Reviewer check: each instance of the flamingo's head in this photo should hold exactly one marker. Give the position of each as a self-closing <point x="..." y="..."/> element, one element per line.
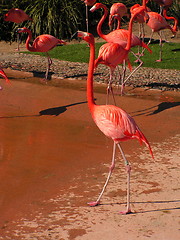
<point x="97" y="6"/>
<point x="23" y="29"/>
<point x="88" y="37"/>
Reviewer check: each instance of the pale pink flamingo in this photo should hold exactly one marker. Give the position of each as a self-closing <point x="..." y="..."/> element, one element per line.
<point x="111" y="55"/>
<point x="114" y="122"/>
<point x="3" y="74"/>
<point x="42" y="43"/>
<point x="18" y="16"/>
<point x="157" y="23"/>
<point x="117" y="36"/>
<point x="117" y="9"/>
<point x="140" y="19"/>
<point x="88" y="3"/>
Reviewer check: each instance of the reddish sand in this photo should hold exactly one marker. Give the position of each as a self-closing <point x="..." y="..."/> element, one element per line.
<point x="53" y="163"/>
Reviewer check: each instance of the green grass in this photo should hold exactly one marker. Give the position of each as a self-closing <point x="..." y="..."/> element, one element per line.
<point x="80" y="53"/>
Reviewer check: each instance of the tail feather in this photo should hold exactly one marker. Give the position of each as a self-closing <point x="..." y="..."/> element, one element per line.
<point x="146" y="46"/>
<point x="140" y="136"/>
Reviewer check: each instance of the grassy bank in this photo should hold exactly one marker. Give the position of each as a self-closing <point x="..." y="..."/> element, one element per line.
<point x="80" y="53"/>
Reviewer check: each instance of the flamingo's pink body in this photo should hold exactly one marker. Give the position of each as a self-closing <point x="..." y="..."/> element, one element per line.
<point x="117" y="9"/>
<point x="114" y="122"/>
<point x="118" y="35"/>
<point x="16" y="15"/>
<point x="42" y="43"/>
<point x="112" y="54"/>
<point x="157" y="23"/>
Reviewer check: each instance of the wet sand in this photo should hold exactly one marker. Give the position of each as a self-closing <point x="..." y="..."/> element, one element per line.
<point x="53" y="160"/>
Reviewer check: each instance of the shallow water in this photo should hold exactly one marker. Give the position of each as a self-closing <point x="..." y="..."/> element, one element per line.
<point x="52" y="156"/>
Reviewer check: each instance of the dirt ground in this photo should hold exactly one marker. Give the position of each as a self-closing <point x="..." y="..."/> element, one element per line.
<point x="54" y="160"/>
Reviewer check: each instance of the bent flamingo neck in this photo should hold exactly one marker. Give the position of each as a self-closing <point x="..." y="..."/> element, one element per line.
<point x="99" y="26"/>
<point x="171" y="18"/>
<point x="28" y="46"/>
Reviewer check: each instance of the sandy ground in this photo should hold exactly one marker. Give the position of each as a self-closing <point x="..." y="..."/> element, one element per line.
<point x="54" y="160"/>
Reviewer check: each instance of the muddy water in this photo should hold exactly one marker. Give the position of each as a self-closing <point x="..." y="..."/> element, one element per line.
<point x="51" y="149"/>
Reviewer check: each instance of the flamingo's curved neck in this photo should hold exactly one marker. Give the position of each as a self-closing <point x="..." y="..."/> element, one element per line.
<point x="171" y="18"/>
<point x="28" y="46"/>
<point x="90" y="95"/>
<point x="128" y="46"/>
<point x="99" y="26"/>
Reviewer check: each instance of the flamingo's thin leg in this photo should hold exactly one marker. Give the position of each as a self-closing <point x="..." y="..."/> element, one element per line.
<point x="97" y="202"/>
<point x="128" y="169"/>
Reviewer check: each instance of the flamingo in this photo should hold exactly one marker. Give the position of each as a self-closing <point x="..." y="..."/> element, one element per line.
<point x="112" y="54"/>
<point x="117" y="8"/>
<point x="88" y="3"/>
<point x="157" y="23"/>
<point x="117" y="36"/>
<point x="2" y="73"/>
<point x="114" y="122"/>
<point x="140" y="19"/>
<point x="18" y="16"/>
<point x="42" y="43"/>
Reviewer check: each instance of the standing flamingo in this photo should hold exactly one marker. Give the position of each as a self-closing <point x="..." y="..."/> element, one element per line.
<point x="112" y="54"/>
<point x="42" y="43"/>
<point x="117" y="36"/>
<point x="114" y="122"/>
<point x="117" y="8"/>
<point x="18" y="16"/>
<point x="157" y="23"/>
<point x="2" y="73"/>
<point x="140" y="19"/>
<point x="88" y="3"/>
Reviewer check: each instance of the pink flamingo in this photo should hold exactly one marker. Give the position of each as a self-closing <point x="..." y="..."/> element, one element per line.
<point x="117" y="36"/>
<point x="2" y="73"/>
<point x="18" y="16"/>
<point x="140" y="19"/>
<point x="117" y="9"/>
<point x="42" y="43"/>
<point x="114" y="122"/>
<point x="157" y="23"/>
<point x="88" y="3"/>
<point x="112" y="54"/>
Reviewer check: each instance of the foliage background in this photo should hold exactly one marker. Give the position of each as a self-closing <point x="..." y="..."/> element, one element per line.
<point x="60" y="18"/>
